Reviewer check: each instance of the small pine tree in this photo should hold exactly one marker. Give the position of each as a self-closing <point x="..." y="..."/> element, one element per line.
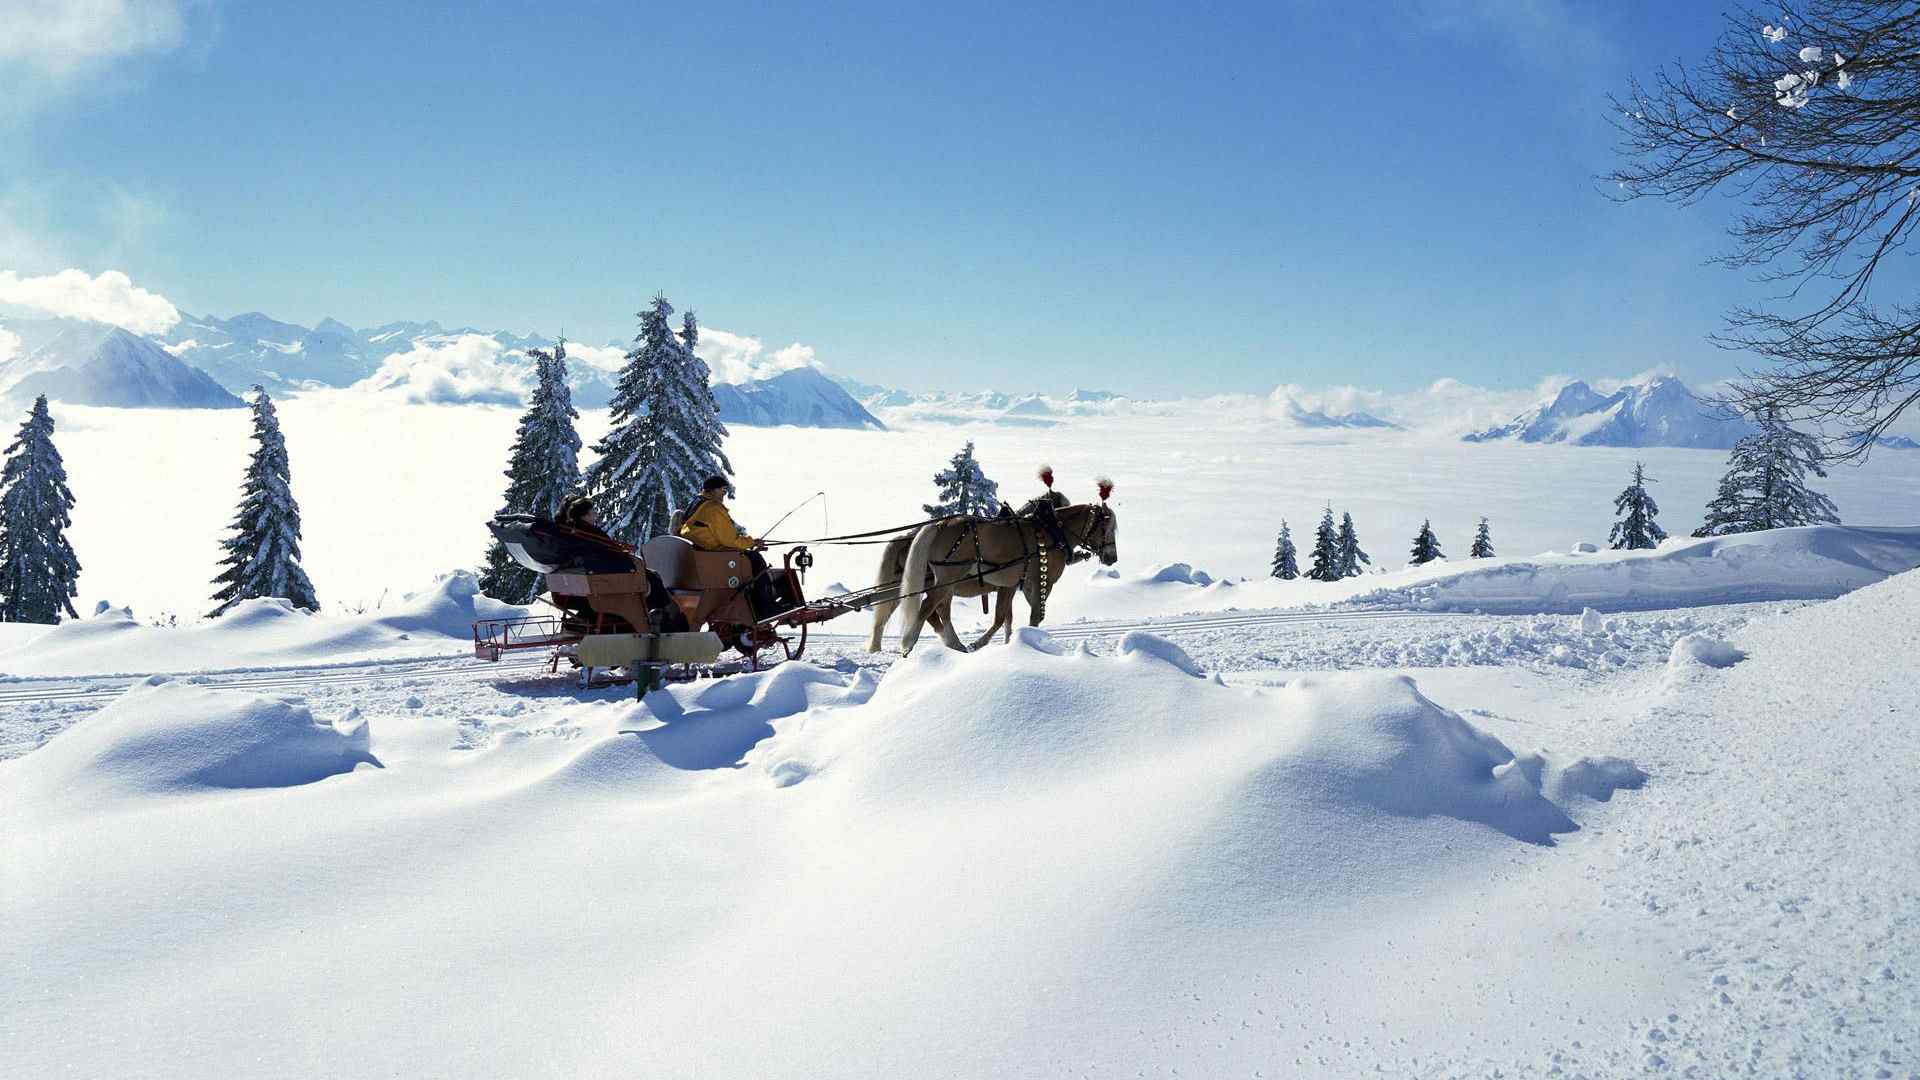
<point x="1286" y="564"/>
<point x="1482" y="543"/>
<point x="542" y="468"/>
<point x="666" y="431"/>
<point x="38" y="569"/>
<point x="263" y="554"/>
<point x="1348" y="545"/>
<point x="1766" y="484"/>
<point x="1636" y="529"/>
<point x="1426" y="546"/>
<point x="964" y="489"/>
<point x="1326" y="550"/>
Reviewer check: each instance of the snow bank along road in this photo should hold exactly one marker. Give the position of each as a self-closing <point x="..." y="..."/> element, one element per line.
<point x="96" y="690"/>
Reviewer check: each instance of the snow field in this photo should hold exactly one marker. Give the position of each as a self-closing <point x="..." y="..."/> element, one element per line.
<point x="392" y="494"/>
<point x="961" y="861"/>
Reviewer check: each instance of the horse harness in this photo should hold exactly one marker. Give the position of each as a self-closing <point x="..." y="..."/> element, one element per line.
<point x="1043" y="518"/>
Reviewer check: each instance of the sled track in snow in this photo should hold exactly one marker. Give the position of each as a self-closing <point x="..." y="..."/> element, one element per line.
<point x="99" y="689"/>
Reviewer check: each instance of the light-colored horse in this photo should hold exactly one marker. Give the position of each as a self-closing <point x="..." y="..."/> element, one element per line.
<point x="893" y="564"/>
<point x="994" y="553"/>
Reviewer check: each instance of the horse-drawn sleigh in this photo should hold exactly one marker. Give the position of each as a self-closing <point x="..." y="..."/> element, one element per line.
<point x="668" y="606"/>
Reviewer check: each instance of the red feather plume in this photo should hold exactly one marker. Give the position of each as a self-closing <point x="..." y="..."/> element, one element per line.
<point x="1046" y="476"/>
<point x="1106" y="487"/>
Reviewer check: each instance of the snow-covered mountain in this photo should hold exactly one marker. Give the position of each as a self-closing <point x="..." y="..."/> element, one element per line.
<point x="1658" y="412"/>
<point x="84" y="363"/>
<point x="1300" y="416"/>
<point x="802" y="397"/>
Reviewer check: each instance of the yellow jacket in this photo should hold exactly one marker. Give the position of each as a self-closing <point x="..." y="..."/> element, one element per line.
<point x="711" y="528"/>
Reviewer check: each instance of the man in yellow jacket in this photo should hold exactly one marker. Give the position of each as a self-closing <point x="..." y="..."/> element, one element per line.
<point x="709" y="527"/>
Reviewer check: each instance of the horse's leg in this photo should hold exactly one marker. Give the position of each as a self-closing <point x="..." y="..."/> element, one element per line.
<point x="882" y="611"/>
<point x="1001" y="615"/>
<point x="942" y="619"/>
<point x="1006" y="603"/>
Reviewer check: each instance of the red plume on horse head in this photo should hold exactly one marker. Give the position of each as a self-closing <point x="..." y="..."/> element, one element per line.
<point x="1046" y="476"/>
<point x="1105" y="484"/>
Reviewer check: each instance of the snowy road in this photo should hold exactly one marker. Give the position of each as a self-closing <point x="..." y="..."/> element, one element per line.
<point x="98" y="689"/>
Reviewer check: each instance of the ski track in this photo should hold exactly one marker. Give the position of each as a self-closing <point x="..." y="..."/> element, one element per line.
<point x="33" y="710"/>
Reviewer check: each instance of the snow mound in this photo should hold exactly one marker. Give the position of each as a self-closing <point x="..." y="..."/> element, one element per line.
<point x="1271" y="791"/>
<point x="449" y="606"/>
<point x="163" y="737"/>
<point x="1702" y="650"/>
<point x="1153" y="647"/>
<point x="265" y="632"/>
<point x="1179" y="572"/>
<point x="1812" y="563"/>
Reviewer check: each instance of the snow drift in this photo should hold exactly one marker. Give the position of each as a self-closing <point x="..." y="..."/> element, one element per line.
<point x="988" y="859"/>
<point x="164" y="738"/>
<point x="435" y="621"/>
<point x="1817" y="562"/>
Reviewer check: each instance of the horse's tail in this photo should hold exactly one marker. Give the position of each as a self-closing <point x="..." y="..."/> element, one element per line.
<point x="912" y="585"/>
<point x="891" y="557"/>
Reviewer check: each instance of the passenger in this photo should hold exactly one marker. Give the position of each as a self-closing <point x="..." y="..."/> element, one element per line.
<point x="710" y="527"/>
<point x="577" y="515"/>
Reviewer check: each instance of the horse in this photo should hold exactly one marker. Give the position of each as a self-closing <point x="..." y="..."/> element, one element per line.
<point x="997" y="553"/>
<point x="893" y="566"/>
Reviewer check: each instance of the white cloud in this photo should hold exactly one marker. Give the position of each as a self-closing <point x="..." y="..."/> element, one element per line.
<point x="607" y="358"/>
<point x="9" y="345"/>
<point x="737" y="358"/>
<point x="461" y="369"/>
<point x="110" y="298"/>
<point x="63" y="37"/>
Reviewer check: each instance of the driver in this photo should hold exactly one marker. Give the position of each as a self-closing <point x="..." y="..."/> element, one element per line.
<point x="709" y="527"/>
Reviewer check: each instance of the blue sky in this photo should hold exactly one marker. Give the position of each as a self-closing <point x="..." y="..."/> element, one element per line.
<point x="1208" y="197"/>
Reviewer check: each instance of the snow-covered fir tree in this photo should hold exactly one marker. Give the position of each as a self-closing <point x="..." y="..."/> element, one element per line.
<point x="38" y="569"/>
<point x="1286" y="559"/>
<point x="1766" y="484"/>
<point x="1426" y="546"/>
<point x="1482" y="542"/>
<point x="1326" y="550"/>
<point x="263" y="554"/>
<point x="964" y="488"/>
<point x="1636" y="528"/>
<point x="542" y="468"/>
<point x="666" y="433"/>
<point x="1347" y="543"/>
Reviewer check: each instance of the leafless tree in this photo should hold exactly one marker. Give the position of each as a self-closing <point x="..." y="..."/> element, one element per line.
<point x="1811" y="116"/>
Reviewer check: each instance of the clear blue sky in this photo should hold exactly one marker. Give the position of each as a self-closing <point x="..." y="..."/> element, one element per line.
<point x="1196" y="195"/>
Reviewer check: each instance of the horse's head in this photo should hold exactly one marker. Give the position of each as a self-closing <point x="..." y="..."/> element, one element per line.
<point x="1106" y="534"/>
<point x="1102" y="534"/>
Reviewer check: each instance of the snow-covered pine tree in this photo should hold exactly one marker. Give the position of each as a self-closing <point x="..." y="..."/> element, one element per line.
<point x="1482" y="542"/>
<point x="1348" y="546"/>
<point x="542" y="468"/>
<point x="1766" y="484"/>
<point x="1326" y="550"/>
<point x="666" y="433"/>
<point x="1426" y="546"/>
<point x="964" y="489"/>
<point x="263" y="554"/>
<point x="38" y="569"/>
<point x="1636" y="528"/>
<point x="1286" y="559"/>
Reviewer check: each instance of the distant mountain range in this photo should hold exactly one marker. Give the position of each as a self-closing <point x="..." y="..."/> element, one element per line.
<point x="85" y="363"/>
<point x="1300" y="416"/>
<point x="1658" y="412"/>
<point x="205" y="361"/>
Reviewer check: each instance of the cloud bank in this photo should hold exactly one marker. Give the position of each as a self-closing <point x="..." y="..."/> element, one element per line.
<point x="737" y="358"/>
<point x="460" y="369"/>
<point x="110" y="298"/>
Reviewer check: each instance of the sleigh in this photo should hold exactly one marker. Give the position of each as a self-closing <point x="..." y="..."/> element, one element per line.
<point x="665" y="607"/>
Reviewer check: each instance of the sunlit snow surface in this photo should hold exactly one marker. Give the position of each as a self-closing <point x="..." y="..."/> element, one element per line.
<point x="1613" y="822"/>
<point x="392" y="495"/>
